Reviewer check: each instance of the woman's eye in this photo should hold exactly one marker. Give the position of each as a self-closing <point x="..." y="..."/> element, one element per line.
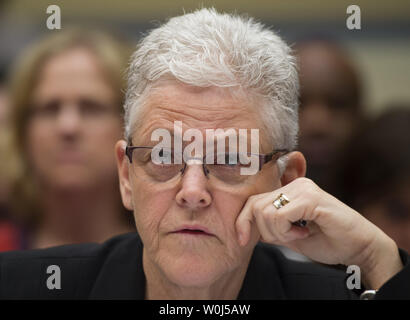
<point x="50" y="108"/>
<point x="231" y="159"/>
<point x="165" y="154"/>
<point x="162" y="157"/>
<point x="232" y="164"/>
<point x="146" y="157"/>
<point x="90" y="107"/>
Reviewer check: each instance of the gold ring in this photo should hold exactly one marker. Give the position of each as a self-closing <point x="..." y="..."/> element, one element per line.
<point x="280" y="201"/>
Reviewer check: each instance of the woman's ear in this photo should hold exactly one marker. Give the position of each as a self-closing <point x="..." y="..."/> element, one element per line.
<point x="123" y="174"/>
<point x="295" y="168"/>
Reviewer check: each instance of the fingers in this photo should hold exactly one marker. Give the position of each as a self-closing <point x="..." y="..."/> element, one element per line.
<point x="275" y="225"/>
<point x="336" y="233"/>
<point x="278" y="222"/>
<point x="264" y="227"/>
<point x="246" y="216"/>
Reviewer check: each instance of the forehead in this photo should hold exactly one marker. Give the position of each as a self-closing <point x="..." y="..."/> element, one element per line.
<point x="324" y="70"/>
<point x="76" y="71"/>
<point x="199" y="108"/>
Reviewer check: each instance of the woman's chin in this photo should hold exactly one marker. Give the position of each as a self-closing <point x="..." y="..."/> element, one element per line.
<point x="193" y="272"/>
<point x="71" y="184"/>
<point x="74" y="179"/>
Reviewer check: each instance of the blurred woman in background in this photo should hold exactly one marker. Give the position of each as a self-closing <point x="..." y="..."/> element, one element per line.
<point x="9" y="233"/>
<point x="66" y="96"/>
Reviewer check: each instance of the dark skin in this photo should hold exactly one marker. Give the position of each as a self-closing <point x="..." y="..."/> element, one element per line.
<point x="329" y="105"/>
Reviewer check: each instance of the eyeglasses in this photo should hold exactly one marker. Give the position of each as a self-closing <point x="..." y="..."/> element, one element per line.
<point x="162" y="167"/>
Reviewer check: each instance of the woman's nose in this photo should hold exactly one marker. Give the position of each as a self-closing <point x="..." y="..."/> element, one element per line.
<point x="69" y="120"/>
<point x="317" y="118"/>
<point x="194" y="193"/>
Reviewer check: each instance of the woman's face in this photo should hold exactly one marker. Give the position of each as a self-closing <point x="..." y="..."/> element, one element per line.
<point x="163" y="210"/>
<point x="74" y="123"/>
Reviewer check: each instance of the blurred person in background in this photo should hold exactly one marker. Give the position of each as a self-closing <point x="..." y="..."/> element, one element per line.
<point x="376" y="173"/>
<point x="66" y="94"/>
<point x="4" y="112"/>
<point x="10" y="235"/>
<point x="330" y="106"/>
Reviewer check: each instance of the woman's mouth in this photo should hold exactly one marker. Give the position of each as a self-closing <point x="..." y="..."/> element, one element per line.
<point x="193" y="230"/>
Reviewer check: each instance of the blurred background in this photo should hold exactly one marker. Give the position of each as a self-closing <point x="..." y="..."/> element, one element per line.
<point x="380" y="49"/>
<point x="352" y="83"/>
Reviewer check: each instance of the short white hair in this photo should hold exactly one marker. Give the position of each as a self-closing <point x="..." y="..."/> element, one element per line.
<point x="206" y="48"/>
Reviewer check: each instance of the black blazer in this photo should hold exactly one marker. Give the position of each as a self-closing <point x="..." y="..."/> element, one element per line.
<point x="113" y="270"/>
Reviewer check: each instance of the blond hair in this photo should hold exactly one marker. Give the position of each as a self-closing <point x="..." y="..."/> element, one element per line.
<point x="113" y="58"/>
